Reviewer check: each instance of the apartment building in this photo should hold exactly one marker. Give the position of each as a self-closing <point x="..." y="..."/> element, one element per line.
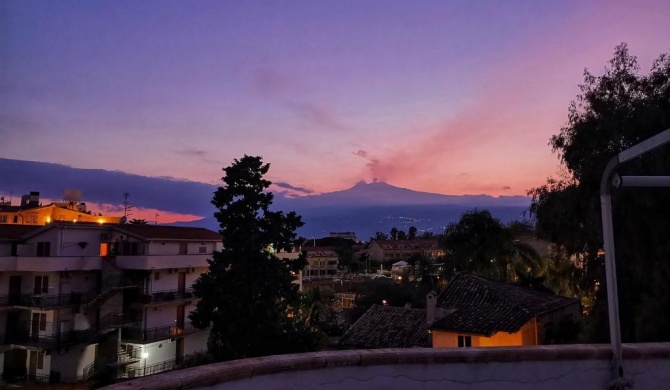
<point x="385" y="250"/>
<point x="82" y="300"/>
<point x="321" y="262"/>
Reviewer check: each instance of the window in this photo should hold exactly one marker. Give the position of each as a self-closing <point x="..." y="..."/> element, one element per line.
<point x="31" y="219"/>
<point x="202" y="249"/>
<point x="130" y="249"/>
<point x="16" y="219"/>
<point x="183" y="248"/>
<point x="40" y="361"/>
<point x="43" y="249"/>
<point x="41" y="285"/>
<point x="464" y="341"/>
<point x="3" y="218"/>
<point x="104" y="249"/>
<point x="157" y="275"/>
<point x="39" y="321"/>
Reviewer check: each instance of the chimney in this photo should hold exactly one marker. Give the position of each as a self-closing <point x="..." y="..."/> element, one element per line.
<point x="431" y="306"/>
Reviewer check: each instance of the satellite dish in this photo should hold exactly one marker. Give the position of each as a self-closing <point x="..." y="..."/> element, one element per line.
<point x="123" y="220"/>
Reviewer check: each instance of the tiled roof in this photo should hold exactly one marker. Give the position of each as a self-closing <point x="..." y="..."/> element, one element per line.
<point x="483" y="306"/>
<point x="161" y="232"/>
<point x="388" y="327"/>
<point x="15" y="232"/>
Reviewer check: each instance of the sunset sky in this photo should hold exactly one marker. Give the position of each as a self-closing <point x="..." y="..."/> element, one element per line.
<point x="453" y="97"/>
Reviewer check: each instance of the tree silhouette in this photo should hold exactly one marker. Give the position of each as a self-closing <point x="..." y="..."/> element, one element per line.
<point x="614" y="112"/>
<point x="247" y="295"/>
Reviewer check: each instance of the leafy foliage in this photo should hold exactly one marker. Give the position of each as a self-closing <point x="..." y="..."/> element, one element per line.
<point x="481" y="244"/>
<point x="614" y="112"/>
<point x="247" y="295"/>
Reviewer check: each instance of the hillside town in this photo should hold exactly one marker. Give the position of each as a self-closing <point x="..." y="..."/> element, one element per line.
<point x="95" y="299"/>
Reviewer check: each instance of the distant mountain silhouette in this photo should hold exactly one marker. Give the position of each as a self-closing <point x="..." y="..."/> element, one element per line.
<point x="370" y="207"/>
<point x="383" y="194"/>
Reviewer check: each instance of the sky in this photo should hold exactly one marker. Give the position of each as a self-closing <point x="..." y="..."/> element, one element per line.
<point x="451" y="97"/>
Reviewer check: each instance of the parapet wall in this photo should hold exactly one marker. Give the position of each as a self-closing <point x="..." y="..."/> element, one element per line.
<point x="647" y="366"/>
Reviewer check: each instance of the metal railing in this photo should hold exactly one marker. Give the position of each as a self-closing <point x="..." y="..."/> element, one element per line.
<point x="45" y="340"/>
<point x="166" y="296"/>
<point x="123" y="357"/>
<point x="117" y="320"/>
<point x="167" y="365"/>
<point x="155" y="368"/>
<point x="42" y="301"/>
<point x="136" y="334"/>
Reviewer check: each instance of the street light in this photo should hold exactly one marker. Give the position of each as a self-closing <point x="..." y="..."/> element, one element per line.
<point x="145" y="356"/>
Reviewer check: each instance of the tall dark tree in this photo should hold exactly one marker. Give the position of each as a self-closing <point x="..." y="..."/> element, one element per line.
<point x="247" y="294"/>
<point x="379" y="236"/>
<point x="481" y="244"/>
<point x="394" y="233"/>
<point x="411" y="233"/>
<point x="614" y="112"/>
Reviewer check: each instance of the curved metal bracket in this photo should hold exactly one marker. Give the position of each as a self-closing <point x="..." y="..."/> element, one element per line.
<point x="611" y="179"/>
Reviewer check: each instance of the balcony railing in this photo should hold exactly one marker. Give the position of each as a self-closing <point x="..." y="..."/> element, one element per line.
<point x="189" y="360"/>
<point x="43" y="302"/>
<point x="166" y="296"/>
<point x="118" y="320"/>
<point x="163" y="366"/>
<point x="46" y="340"/>
<point x="139" y="335"/>
<point x="122" y="358"/>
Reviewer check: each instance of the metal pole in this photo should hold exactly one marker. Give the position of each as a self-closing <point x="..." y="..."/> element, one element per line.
<point x="644" y="181"/>
<point x="610" y="275"/>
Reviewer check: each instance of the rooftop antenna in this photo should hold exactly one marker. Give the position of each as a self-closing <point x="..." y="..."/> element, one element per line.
<point x="156" y="218"/>
<point x="126" y="206"/>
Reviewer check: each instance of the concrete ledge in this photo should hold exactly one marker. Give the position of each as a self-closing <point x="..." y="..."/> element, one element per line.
<point x="215" y="375"/>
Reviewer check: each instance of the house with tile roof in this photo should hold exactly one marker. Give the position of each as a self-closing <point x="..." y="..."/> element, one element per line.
<point x="387" y="327"/>
<point x="471" y="311"/>
<point x="474" y="311"/>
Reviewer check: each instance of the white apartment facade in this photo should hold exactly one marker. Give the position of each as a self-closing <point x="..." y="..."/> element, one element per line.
<point x="84" y="300"/>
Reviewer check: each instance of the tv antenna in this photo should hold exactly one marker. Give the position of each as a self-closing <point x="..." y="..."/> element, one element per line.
<point x="127" y="207"/>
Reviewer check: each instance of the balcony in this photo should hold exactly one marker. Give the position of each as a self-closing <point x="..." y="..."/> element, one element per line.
<point x="166" y="296"/>
<point x="45" y="340"/>
<point x="42" y="302"/>
<point x="149" y="262"/>
<point x="138" y="335"/>
<point x="123" y="358"/>
<point x="50" y="264"/>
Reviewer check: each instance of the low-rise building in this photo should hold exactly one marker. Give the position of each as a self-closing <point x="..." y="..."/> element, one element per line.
<point x="474" y="311"/>
<point x="471" y="311"/>
<point x="321" y="262"/>
<point x="31" y="212"/>
<point x="385" y="250"/>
